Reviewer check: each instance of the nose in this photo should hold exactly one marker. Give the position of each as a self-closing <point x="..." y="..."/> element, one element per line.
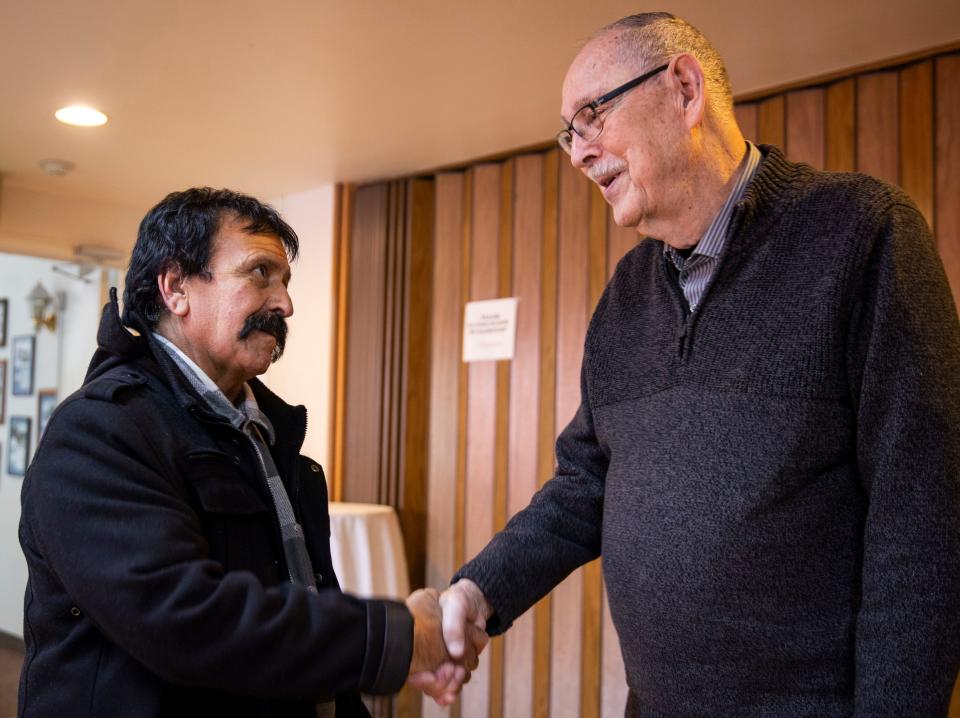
<point x="583" y="152"/>
<point x="282" y="302"/>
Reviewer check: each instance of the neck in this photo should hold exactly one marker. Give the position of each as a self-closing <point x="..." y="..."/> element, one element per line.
<point x="230" y="383"/>
<point x="713" y="168"/>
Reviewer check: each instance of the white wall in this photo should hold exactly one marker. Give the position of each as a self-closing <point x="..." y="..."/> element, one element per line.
<point x="77" y="338"/>
<point x="303" y="375"/>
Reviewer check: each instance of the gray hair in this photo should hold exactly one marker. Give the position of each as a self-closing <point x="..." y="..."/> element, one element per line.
<point x="651" y="38"/>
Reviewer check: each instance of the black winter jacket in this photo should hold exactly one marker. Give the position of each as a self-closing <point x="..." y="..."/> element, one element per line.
<point x="157" y="581"/>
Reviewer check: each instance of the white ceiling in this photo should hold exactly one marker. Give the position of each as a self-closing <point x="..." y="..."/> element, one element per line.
<point x="276" y="97"/>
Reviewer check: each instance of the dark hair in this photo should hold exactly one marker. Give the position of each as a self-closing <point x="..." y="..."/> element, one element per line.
<point x="179" y="232"/>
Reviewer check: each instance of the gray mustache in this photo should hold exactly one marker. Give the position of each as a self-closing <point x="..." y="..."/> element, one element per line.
<point x="598" y="171"/>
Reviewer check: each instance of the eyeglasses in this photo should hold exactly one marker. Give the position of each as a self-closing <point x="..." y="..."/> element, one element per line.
<point x="588" y="122"/>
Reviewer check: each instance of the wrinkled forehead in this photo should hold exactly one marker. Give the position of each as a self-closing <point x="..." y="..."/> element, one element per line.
<point x="596" y="69"/>
<point x="236" y="241"/>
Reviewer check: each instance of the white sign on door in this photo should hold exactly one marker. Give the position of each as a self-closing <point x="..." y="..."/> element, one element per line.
<point x="490" y="329"/>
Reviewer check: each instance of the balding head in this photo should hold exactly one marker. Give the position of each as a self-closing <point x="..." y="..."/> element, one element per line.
<point x="650" y="39"/>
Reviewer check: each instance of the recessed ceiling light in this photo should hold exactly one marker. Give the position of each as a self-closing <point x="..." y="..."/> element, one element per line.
<point x="81" y="116"/>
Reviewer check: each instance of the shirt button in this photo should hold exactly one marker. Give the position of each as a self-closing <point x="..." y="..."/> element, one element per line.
<point x="74" y="611"/>
<point x="314" y="468"/>
<point x="236" y="460"/>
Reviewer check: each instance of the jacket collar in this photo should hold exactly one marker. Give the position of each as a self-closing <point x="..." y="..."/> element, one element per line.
<point x="771" y="190"/>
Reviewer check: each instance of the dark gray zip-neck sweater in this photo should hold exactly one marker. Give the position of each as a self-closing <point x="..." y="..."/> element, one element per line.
<point x="774" y="480"/>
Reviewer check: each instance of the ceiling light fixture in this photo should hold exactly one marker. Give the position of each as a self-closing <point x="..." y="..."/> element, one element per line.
<point x="81" y="116"/>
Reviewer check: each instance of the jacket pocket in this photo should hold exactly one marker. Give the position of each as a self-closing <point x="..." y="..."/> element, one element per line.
<point x="219" y="486"/>
<point x="236" y="521"/>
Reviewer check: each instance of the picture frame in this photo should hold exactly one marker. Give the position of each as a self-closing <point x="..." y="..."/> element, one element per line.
<point x="18" y="445"/>
<point x="3" y="390"/>
<point x="4" y="306"/>
<point x="21" y="380"/>
<point x="46" y="403"/>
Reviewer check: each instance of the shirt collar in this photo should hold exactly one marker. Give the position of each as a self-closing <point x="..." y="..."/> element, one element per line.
<point x="197" y="373"/>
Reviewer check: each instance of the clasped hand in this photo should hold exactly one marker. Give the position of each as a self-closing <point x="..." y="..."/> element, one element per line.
<point x="448" y="636"/>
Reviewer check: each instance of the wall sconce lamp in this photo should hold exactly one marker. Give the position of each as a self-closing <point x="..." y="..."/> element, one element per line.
<point x="42" y="302"/>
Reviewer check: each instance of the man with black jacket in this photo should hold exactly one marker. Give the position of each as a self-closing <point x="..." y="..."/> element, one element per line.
<point x="177" y="542"/>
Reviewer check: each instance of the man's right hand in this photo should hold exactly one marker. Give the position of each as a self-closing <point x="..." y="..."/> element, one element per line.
<point x="465" y="609"/>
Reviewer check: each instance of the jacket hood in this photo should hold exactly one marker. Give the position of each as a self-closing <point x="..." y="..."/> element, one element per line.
<point x="116" y="344"/>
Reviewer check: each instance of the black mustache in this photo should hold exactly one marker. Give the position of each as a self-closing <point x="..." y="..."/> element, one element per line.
<point x="270" y="322"/>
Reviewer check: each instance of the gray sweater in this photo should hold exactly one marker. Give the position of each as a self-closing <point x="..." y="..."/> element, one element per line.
<point x="773" y="481"/>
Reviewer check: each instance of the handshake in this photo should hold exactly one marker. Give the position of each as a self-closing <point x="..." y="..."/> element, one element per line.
<point x="448" y="636"/>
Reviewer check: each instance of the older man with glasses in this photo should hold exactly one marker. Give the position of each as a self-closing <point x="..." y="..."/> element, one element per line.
<point x="767" y="452"/>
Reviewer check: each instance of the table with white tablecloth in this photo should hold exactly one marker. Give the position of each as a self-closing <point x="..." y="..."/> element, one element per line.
<point x="367" y="550"/>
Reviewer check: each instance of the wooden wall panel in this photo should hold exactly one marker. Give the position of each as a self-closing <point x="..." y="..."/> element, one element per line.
<point x="481" y="405"/>
<point x="518" y="675"/>
<point x="543" y="611"/>
<point x="343" y="227"/>
<point x="393" y="348"/>
<point x="746" y="115"/>
<point x="916" y="135"/>
<point x="572" y="303"/>
<point x="877" y="132"/>
<point x="770" y="121"/>
<point x="948" y="168"/>
<point x="840" y="120"/>
<point x="365" y="334"/>
<point x="501" y="460"/>
<point x="805" y="136"/>
<point x="445" y="351"/>
<point x="415" y="378"/>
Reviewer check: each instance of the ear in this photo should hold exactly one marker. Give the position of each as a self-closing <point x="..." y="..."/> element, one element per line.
<point x="173" y="291"/>
<point x="686" y="73"/>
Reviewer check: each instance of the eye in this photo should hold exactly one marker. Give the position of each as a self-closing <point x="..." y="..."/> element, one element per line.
<point x="603" y="109"/>
<point x="260" y="270"/>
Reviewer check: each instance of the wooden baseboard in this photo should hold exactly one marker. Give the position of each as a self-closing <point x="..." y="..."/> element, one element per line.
<point x="10" y="642"/>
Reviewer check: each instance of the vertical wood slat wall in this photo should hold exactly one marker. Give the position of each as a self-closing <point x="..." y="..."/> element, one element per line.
<point x="460" y="448"/>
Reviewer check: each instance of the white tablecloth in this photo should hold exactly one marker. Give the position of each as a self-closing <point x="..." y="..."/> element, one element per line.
<point x="367" y="550"/>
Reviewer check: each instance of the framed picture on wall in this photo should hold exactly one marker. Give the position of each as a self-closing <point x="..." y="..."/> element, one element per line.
<point x="3" y="322"/>
<point x="18" y="446"/>
<point x="46" y="403"/>
<point x="22" y="379"/>
<point x="3" y="389"/>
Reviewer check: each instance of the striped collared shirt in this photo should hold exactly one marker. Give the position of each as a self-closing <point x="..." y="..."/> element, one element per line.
<point x="696" y="271"/>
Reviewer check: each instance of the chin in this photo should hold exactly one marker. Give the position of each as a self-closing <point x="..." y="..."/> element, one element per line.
<point x="262" y="366"/>
<point x="257" y="365"/>
<point x="626" y="217"/>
